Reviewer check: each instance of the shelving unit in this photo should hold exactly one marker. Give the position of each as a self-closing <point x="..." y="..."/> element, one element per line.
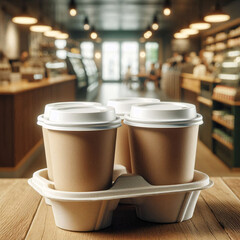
<point x="225" y="137"/>
<point x="227" y="151"/>
<point x="219" y="139"/>
<point x="205" y="108"/>
<point x="222" y="122"/>
<point x="226" y="101"/>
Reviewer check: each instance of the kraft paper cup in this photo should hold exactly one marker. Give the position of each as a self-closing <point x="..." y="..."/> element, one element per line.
<point x="123" y="106"/>
<point x="81" y="142"/>
<point x="47" y="111"/>
<point x="163" y="141"/>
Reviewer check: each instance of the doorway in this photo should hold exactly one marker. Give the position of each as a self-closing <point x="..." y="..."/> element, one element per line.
<point x="117" y="57"/>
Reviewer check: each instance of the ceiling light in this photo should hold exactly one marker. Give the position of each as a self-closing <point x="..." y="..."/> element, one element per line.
<point x="200" y="25"/>
<point x="189" y="31"/>
<point x="217" y="15"/>
<point x="148" y="33"/>
<point x="52" y="33"/>
<point x="86" y="25"/>
<point x="24" y="18"/>
<point x="167" y="8"/>
<point x="72" y="8"/>
<point x="155" y="25"/>
<point x="142" y="54"/>
<point x="40" y="27"/>
<point x="62" y="35"/>
<point x="180" y="35"/>
<point x="93" y="34"/>
<point x="97" y="55"/>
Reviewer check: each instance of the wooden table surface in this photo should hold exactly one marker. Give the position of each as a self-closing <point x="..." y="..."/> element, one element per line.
<point x="24" y="215"/>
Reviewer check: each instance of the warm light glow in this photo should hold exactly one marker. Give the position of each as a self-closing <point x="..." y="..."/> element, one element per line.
<point x="147" y="34"/>
<point x="52" y="33"/>
<point x="40" y="28"/>
<point x="155" y="26"/>
<point x="217" y="17"/>
<point x="62" y="36"/>
<point x="86" y="27"/>
<point x="166" y="11"/>
<point x="73" y="12"/>
<point x="26" y="20"/>
<point x="201" y="25"/>
<point x="93" y="35"/>
<point x="97" y="55"/>
<point x="179" y="35"/>
<point x="142" y="54"/>
<point x="189" y="31"/>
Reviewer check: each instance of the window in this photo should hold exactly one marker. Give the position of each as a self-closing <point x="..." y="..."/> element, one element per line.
<point x="87" y="49"/>
<point x="129" y="57"/>
<point x="111" y="61"/>
<point x="152" y="49"/>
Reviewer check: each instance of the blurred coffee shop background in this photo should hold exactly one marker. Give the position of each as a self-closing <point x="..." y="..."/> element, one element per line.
<point x="94" y="50"/>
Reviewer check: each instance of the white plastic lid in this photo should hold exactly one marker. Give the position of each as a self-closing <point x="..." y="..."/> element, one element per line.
<point x="51" y="106"/>
<point x="80" y="118"/>
<point x="123" y="105"/>
<point x="163" y="114"/>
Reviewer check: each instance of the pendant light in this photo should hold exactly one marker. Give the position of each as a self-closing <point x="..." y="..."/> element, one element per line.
<point x="40" y="26"/>
<point x="72" y="8"/>
<point x="189" y="31"/>
<point x="217" y="15"/>
<point x="179" y="35"/>
<point x="52" y="33"/>
<point x="167" y="8"/>
<point x="62" y="35"/>
<point x="200" y="24"/>
<point x="93" y="34"/>
<point x="24" y="18"/>
<point x="148" y="33"/>
<point x="155" y="25"/>
<point x="86" y="25"/>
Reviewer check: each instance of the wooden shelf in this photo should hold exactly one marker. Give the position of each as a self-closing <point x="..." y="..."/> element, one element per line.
<point x="204" y="101"/>
<point x="222" y="122"/>
<point x="219" y="139"/>
<point x="225" y="101"/>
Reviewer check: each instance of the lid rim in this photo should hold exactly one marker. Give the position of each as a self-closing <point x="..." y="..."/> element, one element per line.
<point x="166" y="124"/>
<point x="82" y="127"/>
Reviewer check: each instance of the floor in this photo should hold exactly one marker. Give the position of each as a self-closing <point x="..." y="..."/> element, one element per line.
<point x="206" y="161"/>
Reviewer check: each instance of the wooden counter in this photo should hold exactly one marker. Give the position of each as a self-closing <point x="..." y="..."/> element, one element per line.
<point x="20" y="104"/>
<point x="24" y="215"/>
<point x="24" y="85"/>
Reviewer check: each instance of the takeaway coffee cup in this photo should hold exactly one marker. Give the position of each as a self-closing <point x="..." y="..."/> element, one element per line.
<point x="123" y="106"/>
<point x="81" y="146"/>
<point x="163" y="141"/>
<point x="47" y="111"/>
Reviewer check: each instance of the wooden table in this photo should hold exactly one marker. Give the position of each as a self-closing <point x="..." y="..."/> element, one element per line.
<point x="24" y="215"/>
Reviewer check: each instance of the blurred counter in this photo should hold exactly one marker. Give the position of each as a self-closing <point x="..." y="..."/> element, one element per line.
<point x="24" y="85"/>
<point x="20" y="104"/>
